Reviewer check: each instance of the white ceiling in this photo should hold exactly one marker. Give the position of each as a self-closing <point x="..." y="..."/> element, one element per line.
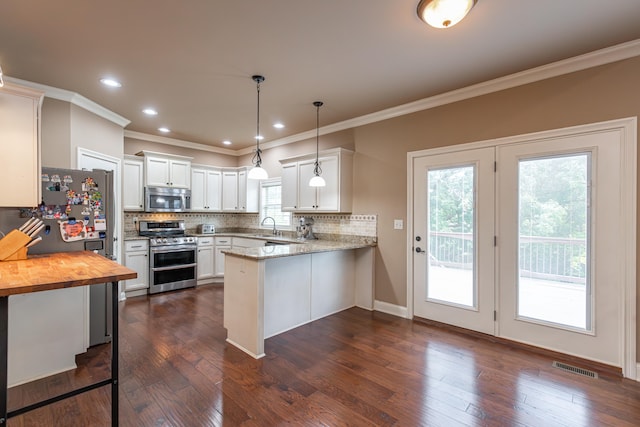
<point x="193" y="60"/>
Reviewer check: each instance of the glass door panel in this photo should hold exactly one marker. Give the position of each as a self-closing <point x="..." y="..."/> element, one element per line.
<point x="553" y="279"/>
<point x="451" y="222"/>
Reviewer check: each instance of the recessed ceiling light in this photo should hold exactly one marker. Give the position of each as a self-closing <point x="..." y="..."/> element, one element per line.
<point x="278" y="125"/>
<point x="226" y="142"/>
<point x="150" y="112"/>
<point x="164" y="130"/>
<point x="110" y="82"/>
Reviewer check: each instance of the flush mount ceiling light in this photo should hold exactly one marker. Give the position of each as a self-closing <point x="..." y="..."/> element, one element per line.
<point x="257" y="172"/>
<point x="164" y="130"/>
<point x="444" y="13"/>
<point x="317" y="180"/>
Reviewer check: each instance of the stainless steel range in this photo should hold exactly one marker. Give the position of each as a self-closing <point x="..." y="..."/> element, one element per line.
<point x="172" y="255"/>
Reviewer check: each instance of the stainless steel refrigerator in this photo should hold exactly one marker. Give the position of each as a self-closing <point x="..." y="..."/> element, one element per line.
<point x="77" y="210"/>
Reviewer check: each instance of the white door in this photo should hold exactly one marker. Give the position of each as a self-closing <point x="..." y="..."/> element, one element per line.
<point x="559" y="234"/>
<point x="453" y="241"/>
<point x="560" y="269"/>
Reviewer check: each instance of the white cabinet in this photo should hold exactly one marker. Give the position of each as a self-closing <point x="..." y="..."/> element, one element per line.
<point x="133" y="184"/>
<point x="221" y="244"/>
<point x="337" y="171"/>
<point x="239" y="194"/>
<point x="289" y="183"/>
<point x="162" y="170"/>
<point x="206" y="189"/>
<point x="206" y="259"/>
<point x="20" y="145"/>
<point x="230" y="190"/>
<point x="136" y="257"/>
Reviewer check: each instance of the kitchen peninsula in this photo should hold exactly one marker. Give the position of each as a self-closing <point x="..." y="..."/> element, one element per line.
<point x="272" y="289"/>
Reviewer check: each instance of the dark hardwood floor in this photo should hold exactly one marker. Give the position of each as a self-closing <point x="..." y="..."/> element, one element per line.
<point x="354" y="368"/>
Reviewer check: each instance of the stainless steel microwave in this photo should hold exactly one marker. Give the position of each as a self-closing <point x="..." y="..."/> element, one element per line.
<point x="160" y="199"/>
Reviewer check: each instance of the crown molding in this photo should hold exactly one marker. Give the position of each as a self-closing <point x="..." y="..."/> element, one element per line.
<point x="75" y="99"/>
<point x="178" y="142"/>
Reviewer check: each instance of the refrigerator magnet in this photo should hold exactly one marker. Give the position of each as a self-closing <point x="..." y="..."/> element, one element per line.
<point x="100" y="224"/>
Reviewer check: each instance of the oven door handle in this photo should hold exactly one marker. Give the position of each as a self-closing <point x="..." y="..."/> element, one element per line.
<point x="173" y="267"/>
<point x="170" y="249"/>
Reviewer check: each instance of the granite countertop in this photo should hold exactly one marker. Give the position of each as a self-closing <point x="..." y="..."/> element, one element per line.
<point x="297" y="248"/>
<point x="286" y="245"/>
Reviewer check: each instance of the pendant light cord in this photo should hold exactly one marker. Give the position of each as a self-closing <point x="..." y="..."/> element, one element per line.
<point x="257" y="158"/>
<point x="317" y="170"/>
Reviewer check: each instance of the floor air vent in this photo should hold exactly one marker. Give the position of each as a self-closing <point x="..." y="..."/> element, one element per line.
<point x="575" y="369"/>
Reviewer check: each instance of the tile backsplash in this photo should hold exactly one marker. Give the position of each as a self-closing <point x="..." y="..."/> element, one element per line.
<point x="325" y="225"/>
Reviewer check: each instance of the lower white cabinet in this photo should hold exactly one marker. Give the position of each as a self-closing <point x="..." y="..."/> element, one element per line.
<point x="136" y="257"/>
<point x="206" y="258"/>
<point x="221" y="244"/>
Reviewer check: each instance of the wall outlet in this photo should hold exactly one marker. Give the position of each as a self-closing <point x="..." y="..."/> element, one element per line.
<point x="135" y="219"/>
<point x="398" y="224"/>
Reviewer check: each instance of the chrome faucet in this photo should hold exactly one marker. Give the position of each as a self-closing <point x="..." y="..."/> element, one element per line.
<point x="275" y="232"/>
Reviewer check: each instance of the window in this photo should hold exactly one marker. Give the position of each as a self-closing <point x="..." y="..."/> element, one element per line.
<point x="270" y="204"/>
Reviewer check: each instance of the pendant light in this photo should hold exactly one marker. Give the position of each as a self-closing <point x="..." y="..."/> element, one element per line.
<point x="257" y="172"/>
<point x="444" y="13"/>
<point x="317" y="180"/>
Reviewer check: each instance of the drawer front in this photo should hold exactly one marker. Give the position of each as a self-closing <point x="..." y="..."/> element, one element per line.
<point x="136" y="245"/>
<point x="205" y="241"/>
<point x="223" y="241"/>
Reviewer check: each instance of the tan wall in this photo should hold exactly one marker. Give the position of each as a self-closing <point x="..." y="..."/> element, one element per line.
<point x="380" y="182"/>
<point x="65" y="127"/>
<point x="94" y="133"/>
<point x="56" y="133"/>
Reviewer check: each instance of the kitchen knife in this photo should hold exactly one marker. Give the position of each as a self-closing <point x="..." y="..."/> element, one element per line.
<point x="34" y="241"/>
<point x="35" y="231"/>
<point x="27" y="224"/>
<point x="37" y="223"/>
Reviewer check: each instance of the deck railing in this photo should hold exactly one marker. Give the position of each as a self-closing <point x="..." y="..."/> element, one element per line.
<point x="549" y="258"/>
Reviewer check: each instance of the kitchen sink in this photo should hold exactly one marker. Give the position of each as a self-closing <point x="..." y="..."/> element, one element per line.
<point x="278" y="243"/>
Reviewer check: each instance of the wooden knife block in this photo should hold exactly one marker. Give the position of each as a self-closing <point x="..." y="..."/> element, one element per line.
<point x="12" y="246"/>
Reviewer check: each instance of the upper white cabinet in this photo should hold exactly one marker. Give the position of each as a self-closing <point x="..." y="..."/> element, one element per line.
<point x="133" y="184"/>
<point x="162" y="170"/>
<point x="206" y="189"/>
<point x="337" y="171"/>
<point x="239" y="194"/>
<point x="20" y="145"/>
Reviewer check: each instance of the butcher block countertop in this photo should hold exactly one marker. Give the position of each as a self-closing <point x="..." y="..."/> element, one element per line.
<point x="59" y="270"/>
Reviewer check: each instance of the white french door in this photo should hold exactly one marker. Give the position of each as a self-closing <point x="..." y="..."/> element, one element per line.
<point x="528" y="238"/>
<point x="453" y="253"/>
<point x="559" y="242"/>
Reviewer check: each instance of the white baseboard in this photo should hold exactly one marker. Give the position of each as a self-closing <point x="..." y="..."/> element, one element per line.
<point x="395" y="310"/>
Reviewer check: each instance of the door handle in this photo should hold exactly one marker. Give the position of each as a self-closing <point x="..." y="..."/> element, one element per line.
<point x="420" y="251"/>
